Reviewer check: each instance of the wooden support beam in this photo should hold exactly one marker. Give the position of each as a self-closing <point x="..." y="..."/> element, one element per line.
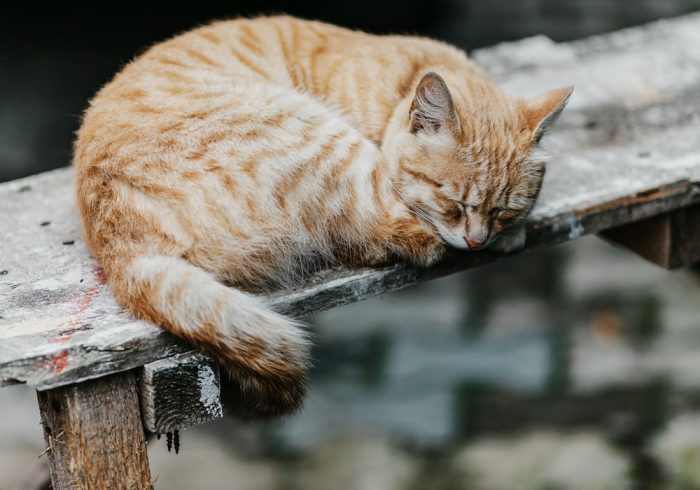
<point x="670" y="240"/>
<point x="179" y="392"/>
<point x="94" y="436"/>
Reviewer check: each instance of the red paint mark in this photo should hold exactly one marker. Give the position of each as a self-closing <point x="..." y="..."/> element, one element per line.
<point x="100" y="276"/>
<point x="59" y="362"/>
<point x="82" y="302"/>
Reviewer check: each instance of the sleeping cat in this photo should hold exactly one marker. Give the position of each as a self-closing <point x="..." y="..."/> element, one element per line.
<point x="252" y="151"/>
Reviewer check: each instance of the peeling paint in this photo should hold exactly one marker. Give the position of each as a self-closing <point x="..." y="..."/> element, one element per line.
<point x="209" y="390"/>
<point x="82" y="302"/>
<point x="59" y="362"/>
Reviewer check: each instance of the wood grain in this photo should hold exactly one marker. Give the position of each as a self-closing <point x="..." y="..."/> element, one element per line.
<point x="626" y="149"/>
<point x="179" y="392"/>
<point x="94" y="436"/>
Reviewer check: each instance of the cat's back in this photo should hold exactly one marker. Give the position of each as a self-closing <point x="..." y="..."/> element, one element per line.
<point x="199" y="130"/>
<point x="199" y="74"/>
<point x="280" y="50"/>
<point x="179" y="83"/>
<point x="262" y="48"/>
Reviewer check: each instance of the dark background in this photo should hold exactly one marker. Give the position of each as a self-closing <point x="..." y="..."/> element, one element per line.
<point x="53" y="58"/>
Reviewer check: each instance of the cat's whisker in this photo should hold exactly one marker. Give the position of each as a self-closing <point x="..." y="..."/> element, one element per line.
<point x="415" y="209"/>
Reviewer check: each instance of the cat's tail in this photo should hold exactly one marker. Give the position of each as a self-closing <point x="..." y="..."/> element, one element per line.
<point x="266" y="354"/>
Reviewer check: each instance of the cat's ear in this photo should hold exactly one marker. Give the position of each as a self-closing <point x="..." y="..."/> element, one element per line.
<point x="541" y="111"/>
<point x="432" y="109"/>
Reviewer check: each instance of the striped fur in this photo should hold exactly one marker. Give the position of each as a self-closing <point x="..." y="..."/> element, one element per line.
<point x="250" y="152"/>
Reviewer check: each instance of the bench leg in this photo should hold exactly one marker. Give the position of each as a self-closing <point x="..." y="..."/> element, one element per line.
<point x="670" y="240"/>
<point x="94" y="436"/>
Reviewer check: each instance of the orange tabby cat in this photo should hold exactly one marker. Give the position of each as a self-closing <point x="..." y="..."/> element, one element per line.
<point x="252" y="151"/>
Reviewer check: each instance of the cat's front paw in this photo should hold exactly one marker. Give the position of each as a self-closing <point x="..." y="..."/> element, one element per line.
<point x="371" y="256"/>
<point x="429" y="252"/>
<point x="413" y="241"/>
<point x="511" y="240"/>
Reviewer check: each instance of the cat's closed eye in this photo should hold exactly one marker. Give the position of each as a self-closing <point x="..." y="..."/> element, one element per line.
<point x="507" y="215"/>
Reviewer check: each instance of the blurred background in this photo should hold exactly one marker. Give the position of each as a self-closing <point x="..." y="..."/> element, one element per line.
<point x="571" y="368"/>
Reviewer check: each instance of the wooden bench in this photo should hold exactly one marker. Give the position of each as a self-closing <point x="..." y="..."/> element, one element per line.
<point x="625" y="163"/>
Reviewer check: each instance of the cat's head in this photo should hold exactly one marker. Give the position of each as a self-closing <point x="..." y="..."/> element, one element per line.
<point x="468" y="162"/>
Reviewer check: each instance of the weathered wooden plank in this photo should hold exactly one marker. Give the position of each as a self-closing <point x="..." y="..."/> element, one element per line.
<point x="94" y="436"/>
<point x="625" y="150"/>
<point x="96" y="350"/>
<point x="179" y="392"/>
<point x="634" y="67"/>
<point x="671" y="240"/>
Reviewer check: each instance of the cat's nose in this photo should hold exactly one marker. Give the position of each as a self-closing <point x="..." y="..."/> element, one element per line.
<point x="473" y="244"/>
